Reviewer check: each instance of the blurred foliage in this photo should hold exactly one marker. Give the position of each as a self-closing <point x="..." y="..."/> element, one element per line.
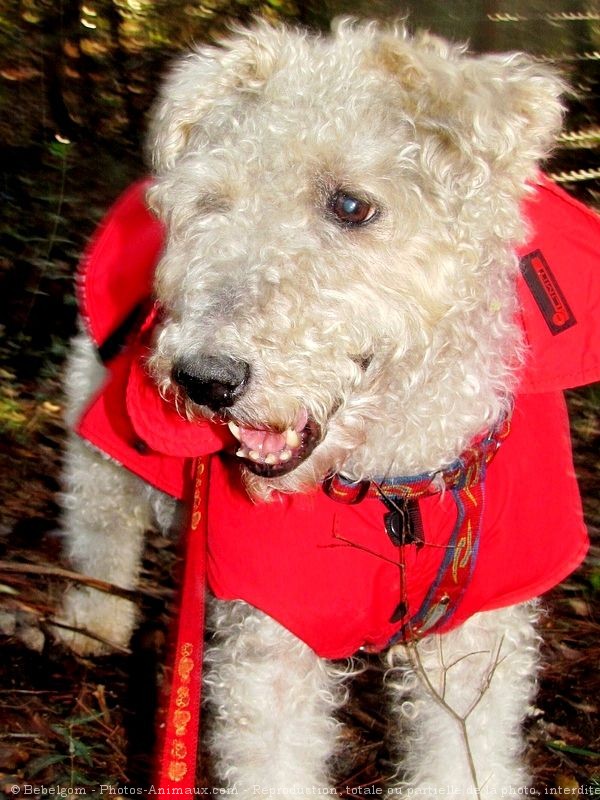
<point x="77" y="78"/>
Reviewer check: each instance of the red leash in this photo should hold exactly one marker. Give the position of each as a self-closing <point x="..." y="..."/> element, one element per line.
<point x="178" y="751"/>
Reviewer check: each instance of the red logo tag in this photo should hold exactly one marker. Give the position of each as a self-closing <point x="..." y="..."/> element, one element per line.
<point x="546" y="292"/>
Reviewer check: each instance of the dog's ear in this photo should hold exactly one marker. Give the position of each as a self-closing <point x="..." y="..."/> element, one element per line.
<point x="216" y="78"/>
<point x="503" y="111"/>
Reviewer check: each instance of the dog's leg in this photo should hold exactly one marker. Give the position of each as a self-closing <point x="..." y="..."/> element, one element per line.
<point x="106" y="512"/>
<point x="461" y="698"/>
<point x="105" y="516"/>
<point x="271" y="704"/>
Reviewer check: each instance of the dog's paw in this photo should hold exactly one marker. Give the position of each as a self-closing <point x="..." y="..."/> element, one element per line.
<point x="95" y="623"/>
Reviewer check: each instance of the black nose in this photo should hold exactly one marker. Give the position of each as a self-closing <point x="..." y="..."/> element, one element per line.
<point x="213" y="381"/>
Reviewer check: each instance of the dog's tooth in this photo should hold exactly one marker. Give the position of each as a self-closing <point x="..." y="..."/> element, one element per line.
<point x="235" y="430"/>
<point x="254" y="455"/>
<point x="285" y="455"/>
<point x="271" y="459"/>
<point x="292" y="439"/>
<point x="242" y="452"/>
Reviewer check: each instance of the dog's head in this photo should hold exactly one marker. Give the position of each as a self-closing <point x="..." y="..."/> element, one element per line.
<point x="341" y="213"/>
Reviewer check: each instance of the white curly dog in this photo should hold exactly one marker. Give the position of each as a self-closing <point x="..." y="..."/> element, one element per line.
<point x="337" y="284"/>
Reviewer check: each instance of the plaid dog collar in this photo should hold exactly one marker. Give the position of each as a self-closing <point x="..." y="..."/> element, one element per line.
<point x="464" y="472"/>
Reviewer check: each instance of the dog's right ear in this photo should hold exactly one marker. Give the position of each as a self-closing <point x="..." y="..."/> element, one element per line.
<point x="215" y="79"/>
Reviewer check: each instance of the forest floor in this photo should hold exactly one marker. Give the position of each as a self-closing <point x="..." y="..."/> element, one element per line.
<point x="70" y="722"/>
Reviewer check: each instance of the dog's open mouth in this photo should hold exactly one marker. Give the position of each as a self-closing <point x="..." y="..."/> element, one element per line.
<point x="270" y="453"/>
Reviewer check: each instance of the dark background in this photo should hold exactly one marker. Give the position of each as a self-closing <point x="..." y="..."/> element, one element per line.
<point x="76" y="81"/>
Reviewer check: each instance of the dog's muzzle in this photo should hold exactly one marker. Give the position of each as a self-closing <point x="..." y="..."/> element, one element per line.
<point x="216" y="382"/>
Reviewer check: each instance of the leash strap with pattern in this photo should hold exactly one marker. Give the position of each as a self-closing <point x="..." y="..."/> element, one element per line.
<point x="181" y="727"/>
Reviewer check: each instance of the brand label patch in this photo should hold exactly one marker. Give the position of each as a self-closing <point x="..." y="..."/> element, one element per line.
<point x="546" y="292"/>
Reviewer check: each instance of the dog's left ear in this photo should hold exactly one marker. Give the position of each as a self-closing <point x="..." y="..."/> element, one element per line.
<point x="503" y="111"/>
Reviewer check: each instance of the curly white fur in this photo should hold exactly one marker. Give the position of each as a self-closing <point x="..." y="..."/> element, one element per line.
<point x="397" y="337"/>
<point x="272" y="702"/>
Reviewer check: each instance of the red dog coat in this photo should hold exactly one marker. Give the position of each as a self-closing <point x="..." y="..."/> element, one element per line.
<point x="328" y="571"/>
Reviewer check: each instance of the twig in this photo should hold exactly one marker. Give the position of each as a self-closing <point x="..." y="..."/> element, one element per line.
<point x="84" y="632"/>
<point x="440" y="695"/>
<point x="349" y="543"/>
<point x="461" y="721"/>
<point x="21" y="568"/>
<point x="496" y="661"/>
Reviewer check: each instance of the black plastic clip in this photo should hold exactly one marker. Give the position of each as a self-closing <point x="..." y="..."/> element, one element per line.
<point x="402" y="520"/>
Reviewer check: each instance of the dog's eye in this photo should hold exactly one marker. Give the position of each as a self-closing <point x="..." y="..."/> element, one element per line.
<point x="351" y="210"/>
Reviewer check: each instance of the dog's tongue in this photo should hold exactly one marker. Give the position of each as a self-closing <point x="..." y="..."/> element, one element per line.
<point x="266" y="441"/>
<point x="268" y="446"/>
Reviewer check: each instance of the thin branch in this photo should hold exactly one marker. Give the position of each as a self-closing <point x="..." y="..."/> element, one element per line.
<point x="463" y="658"/>
<point x="21" y="568"/>
<point x="440" y="699"/>
<point x="439" y="696"/>
<point x="349" y="543"/>
<point x="84" y="632"/>
<point x="496" y="661"/>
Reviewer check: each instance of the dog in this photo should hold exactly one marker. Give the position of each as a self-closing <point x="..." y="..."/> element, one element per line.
<point x="338" y="307"/>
